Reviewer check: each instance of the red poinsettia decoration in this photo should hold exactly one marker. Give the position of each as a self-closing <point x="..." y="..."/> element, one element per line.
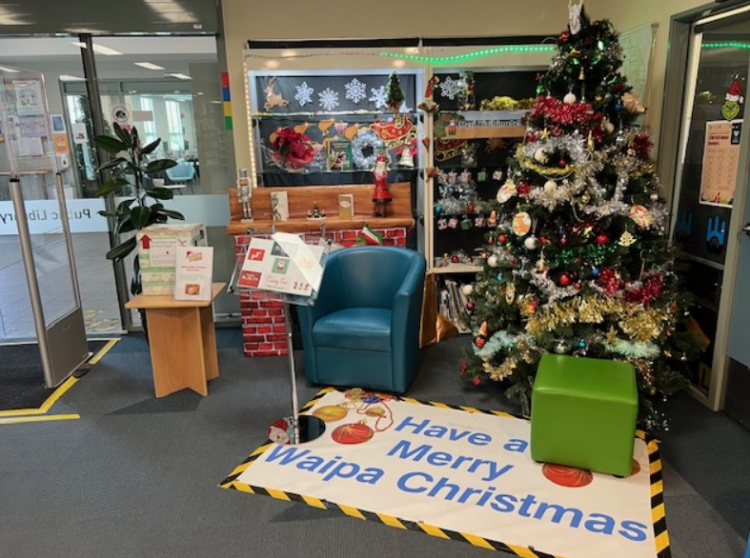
<point x="293" y="149"/>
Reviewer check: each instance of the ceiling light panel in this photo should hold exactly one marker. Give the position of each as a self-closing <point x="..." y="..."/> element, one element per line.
<point x="10" y="70"/>
<point x="171" y="11"/>
<point x="180" y="76"/>
<point x="100" y="49"/>
<point x="10" y="17"/>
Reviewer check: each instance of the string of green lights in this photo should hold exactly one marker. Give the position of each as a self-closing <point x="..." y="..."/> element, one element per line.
<point x="515" y="49"/>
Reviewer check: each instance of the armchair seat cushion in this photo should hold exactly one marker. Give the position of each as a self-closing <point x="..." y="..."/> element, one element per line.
<point x="364" y="329"/>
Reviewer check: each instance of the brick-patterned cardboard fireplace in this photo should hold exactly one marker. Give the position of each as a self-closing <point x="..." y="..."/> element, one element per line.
<point x="263" y="329"/>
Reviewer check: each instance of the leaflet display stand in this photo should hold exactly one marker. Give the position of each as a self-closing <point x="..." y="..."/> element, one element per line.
<point x="291" y="271"/>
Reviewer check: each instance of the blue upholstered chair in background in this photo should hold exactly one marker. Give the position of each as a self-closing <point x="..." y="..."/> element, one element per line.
<point x="364" y="328"/>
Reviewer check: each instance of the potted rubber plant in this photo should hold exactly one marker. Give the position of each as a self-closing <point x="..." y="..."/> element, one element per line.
<point x="129" y="168"/>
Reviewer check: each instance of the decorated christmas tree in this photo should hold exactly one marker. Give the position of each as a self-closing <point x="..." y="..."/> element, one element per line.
<point x="394" y="93"/>
<point x="579" y="263"/>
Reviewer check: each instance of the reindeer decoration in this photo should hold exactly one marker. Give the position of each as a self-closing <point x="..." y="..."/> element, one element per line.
<point x="273" y="99"/>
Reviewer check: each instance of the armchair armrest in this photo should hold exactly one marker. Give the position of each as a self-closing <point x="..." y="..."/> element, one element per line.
<point x="405" y="320"/>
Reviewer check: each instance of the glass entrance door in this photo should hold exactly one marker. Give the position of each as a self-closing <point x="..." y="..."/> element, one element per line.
<point x="58" y="62"/>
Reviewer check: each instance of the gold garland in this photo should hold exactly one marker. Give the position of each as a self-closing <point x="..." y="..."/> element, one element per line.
<point x="639" y="323"/>
<point x="499" y="372"/>
<point x="547" y="172"/>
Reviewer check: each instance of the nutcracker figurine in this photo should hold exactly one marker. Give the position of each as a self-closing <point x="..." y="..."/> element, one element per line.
<point x="245" y="194"/>
<point x="382" y="195"/>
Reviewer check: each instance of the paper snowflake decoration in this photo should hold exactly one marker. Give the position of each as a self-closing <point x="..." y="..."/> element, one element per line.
<point x="379" y="97"/>
<point x="329" y="99"/>
<point x="304" y="94"/>
<point x="449" y="88"/>
<point x="356" y="91"/>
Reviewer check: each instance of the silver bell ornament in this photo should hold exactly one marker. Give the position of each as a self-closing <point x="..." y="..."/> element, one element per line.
<point x="531" y="243"/>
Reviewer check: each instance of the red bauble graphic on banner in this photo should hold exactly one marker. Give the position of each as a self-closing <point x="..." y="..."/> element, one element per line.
<point x="569" y="477"/>
<point x="355" y="433"/>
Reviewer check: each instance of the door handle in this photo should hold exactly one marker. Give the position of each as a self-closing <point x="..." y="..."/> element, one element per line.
<point x="746" y="229"/>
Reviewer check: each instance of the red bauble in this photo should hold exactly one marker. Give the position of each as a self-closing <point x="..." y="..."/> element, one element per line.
<point x="564" y="280"/>
<point x="476" y="380"/>
<point x="463" y="366"/>
<point x="523" y="188"/>
<point x="563" y="163"/>
<point x="565" y="37"/>
<point x="480" y="341"/>
<point x="455" y="259"/>
<point x="602" y="239"/>
<point x="491" y="240"/>
<point x="564" y="240"/>
<point x="670" y="334"/>
<point x="569" y="477"/>
<point x="470" y="306"/>
<point x="502" y="238"/>
<point x="531" y="138"/>
<point x="355" y="433"/>
<point x="578" y="286"/>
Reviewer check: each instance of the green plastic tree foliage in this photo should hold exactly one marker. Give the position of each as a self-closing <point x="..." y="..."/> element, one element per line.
<point x="580" y="263"/>
<point x="145" y="206"/>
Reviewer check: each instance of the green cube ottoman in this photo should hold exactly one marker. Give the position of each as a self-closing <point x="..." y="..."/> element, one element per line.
<point x="583" y="413"/>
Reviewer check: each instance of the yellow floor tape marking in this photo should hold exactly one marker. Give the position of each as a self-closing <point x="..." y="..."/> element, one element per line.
<point x="61" y="389"/>
<point x="103" y="351"/>
<point x="391" y="521"/>
<point x="662" y="541"/>
<point x="46" y="418"/>
<point x="241" y="487"/>
<point x="353" y="512"/>
<point x="434" y="531"/>
<point x="477" y="541"/>
<point x="523" y="551"/>
<point x="657" y="488"/>
<point x="658" y="512"/>
<point x="655" y="467"/>
<point x="278" y="494"/>
<point x="314" y="502"/>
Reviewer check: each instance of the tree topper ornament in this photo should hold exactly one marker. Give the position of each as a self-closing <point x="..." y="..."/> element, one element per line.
<point x="574" y="14"/>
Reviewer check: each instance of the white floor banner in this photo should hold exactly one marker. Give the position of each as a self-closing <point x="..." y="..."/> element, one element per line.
<point x="462" y="474"/>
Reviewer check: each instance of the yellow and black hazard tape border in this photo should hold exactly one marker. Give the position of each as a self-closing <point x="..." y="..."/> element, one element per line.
<point x="657" y="492"/>
<point x="41" y="413"/>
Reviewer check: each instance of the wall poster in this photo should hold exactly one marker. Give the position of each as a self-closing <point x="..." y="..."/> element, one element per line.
<point x="721" y="156"/>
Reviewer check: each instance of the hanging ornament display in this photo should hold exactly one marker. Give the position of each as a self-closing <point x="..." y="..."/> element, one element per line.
<point x="733" y="101"/>
<point x="521" y="223"/>
<point x="641" y="216"/>
<point x="465" y="95"/>
<point x="531" y="243"/>
<point x="626" y="239"/>
<point x="570" y="98"/>
<point x="428" y="104"/>
<point x="506" y="191"/>
<point x="493" y="261"/>
<point x="550" y="186"/>
<point x="510" y="294"/>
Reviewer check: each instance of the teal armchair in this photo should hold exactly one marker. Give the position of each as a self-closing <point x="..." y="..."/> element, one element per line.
<point x="363" y="330"/>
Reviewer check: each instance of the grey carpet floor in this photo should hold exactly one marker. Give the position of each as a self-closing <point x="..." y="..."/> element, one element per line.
<point x="137" y="477"/>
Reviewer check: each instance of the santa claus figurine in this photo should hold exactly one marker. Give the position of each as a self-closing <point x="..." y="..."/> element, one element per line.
<point x="382" y="195"/>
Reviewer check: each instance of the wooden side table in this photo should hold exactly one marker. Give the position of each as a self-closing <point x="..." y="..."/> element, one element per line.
<point x="182" y="338"/>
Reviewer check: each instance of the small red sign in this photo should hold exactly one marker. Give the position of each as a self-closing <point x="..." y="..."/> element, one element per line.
<point x="256" y="254"/>
<point x="249" y="279"/>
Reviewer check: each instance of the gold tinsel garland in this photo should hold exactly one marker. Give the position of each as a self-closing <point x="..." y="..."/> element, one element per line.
<point x="547" y="172"/>
<point x="499" y="372"/>
<point x="639" y="323"/>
